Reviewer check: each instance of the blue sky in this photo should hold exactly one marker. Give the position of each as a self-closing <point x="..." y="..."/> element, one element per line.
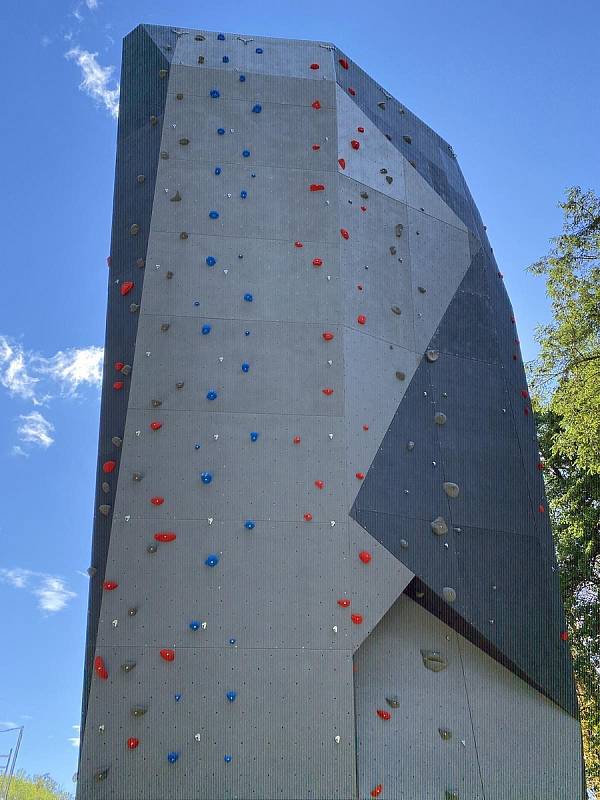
<point x="511" y="85"/>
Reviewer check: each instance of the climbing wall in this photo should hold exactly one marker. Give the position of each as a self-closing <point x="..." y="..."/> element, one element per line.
<point x="321" y="535"/>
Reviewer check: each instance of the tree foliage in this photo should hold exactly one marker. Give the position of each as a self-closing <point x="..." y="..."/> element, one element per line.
<point x="36" y="787"/>
<point x="566" y="386"/>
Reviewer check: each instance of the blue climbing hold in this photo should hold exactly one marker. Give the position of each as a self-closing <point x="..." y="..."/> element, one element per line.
<point x="205" y="477"/>
<point x="245" y="366"/>
<point x="226" y="59"/>
<point x="245" y="153"/>
<point x="221" y="37"/>
<point x="214" y="93"/>
<point x="232" y="641"/>
<point x="250" y="524"/>
<point x="242" y="78"/>
<point x="213" y="214"/>
<point x="197" y="446"/>
<point x="205" y="329"/>
<point x="194" y="625"/>
<point x="231" y="696"/>
<point x="172" y="757"/>
<point x="211" y="261"/>
<point x="221" y="131"/>
<point x="243" y="194"/>
<point x="212" y="560"/>
<point x="217" y="170"/>
<point x="196" y="302"/>
<point x="257" y="108"/>
<point x="212" y="395"/>
<point x="227" y="759"/>
<point x="259" y="50"/>
<point x="253" y="175"/>
<point x="253" y="436"/>
<point x="178" y="697"/>
<point x="248" y="297"/>
<point x="246" y="333"/>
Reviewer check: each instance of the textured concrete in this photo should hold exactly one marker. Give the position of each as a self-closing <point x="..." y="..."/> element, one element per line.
<point x="278" y="454"/>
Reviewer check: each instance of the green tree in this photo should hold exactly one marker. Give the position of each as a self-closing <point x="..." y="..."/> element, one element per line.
<point x="36" y="787"/>
<point x="565" y="383"/>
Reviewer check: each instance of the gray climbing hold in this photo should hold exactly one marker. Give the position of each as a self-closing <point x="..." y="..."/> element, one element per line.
<point x="364" y="195"/>
<point x="389" y="179"/>
<point x="434" y="660"/>
<point x="388" y="137"/>
<point x="169" y="275"/>
<point x="164" y="154"/>
<point x="420" y="595"/>
<point x="403" y="544"/>
<point x="184" y="141"/>
<point x="105" y="487"/>
<point x="451" y="795"/>
<point x="201" y="59"/>
<point x="156" y="403"/>
<point x="141" y="178"/>
<point x="449" y="594"/>
<point x="152" y="548"/>
<point x="134" y="307"/>
<point x="140" y="263"/>
<point x="132" y="612"/>
<point x="153" y="120"/>
<point x="198" y="37"/>
<point x="179" y="385"/>
<point x="399" y="229"/>
<point x="137" y="476"/>
<point x="381" y="105"/>
<point x="127" y="666"/>
<point x="176" y="197"/>
<point x="164" y="327"/>
<point x="396" y="310"/>
<point x="407" y="139"/>
<point x="393" y="250"/>
<point x="445" y="734"/>
<point x="179" y="96"/>
<point x="135" y="229"/>
<point x="432" y="355"/>
<point x="162" y="73"/>
<point x="392" y="701"/>
<point x="451" y="489"/>
<point x="104" y="510"/>
<point x="422" y="289"/>
<point x="125" y="369"/>
<point x="138" y="711"/>
<point x="383" y="171"/>
<point x="183" y="235"/>
<point x="117" y="441"/>
<point x="440" y="418"/>
<point x="400" y="375"/>
<point x="91" y="571"/>
<point x="101" y="775"/>
<point x="439" y="527"/>
<point x="410" y="445"/>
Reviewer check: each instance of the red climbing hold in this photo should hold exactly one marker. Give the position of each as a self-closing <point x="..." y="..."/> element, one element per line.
<point x="118" y="385"/>
<point x="296" y="440"/>
<point x="359" y="286"/>
<point x="126" y="287"/>
<point x="156" y="426"/>
<point x="540" y="465"/>
<point x="109" y="585"/>
<point x="132" y="743"/>
<point x="360" y="475"/>
<point x="377" y="790"/>
<point x="298" y="244"/>
<point x="526" y="411"/>
<point x="383" y="714"/>
<point x="319" y="484"/>
<point x="108" y="466"/>
<point x="356" y="619"/>
<point x="542" y="508"/>
<point x="167" y="655"/>
<point x="365" y="556"/>
<point x="317" y="187"/>
<point x="351" y="91"/>
<point x="361" y="319"/>
<point x="354" y="144"/>
<point x="165" y="537"/>
<point x="342" y="163"/>
<point x="308" y="517"/>
<point x="564" y="635"/>
<point x="365" y="427"/>
<point x="316" y="147"/>
<point x="314" y="66"/>
<point x="157" y="501"/>
<point x="344" y="233"/>
<point x="344" y="602"/>
<point x="100" y="668"/>
<point x="343" y="63"/>
<point x="360" y="129"/>
<point x="316" y="105"/>
<point x="119" y="365"/>
<point x="328" y="392"/>
<point x="328" y="336"/>
<point x="524" y="393"/>
<point x="363" y="208"/>
<point x="317" y="262"/>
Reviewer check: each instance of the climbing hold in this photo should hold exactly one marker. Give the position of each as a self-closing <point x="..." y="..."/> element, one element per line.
<point x="243" y="194"/>
<point x="165" y="537"/>
<point x="132" y="743"/>
<point x="541" y="508"/>
<point x="381" y="105"/>
<point x="328" y="336"/>
<point x="101" y="775"/>
<point x="249" y="524"/>
<point x="206" y="329"/>
<point x="104" y="510"/>
<point x="316" y="147"/>
<point x="365" y="556"/>
<point x="396" y="310"/>
<point x="389" y="179"/>
<point x="156" y="426"/>
<point x="231" y="696"/>
<point x="227" y="758"/>
<point x="214" y="93"/>
<point x="343" y="63"/>
<point x="449" y="594"/>
<point x="157" y="501"/>
<point x="152" y="548"/>
<point x="344" y="602"/>
<point x="245" y="366"/>
<point x="226" y="59"/>
<point x="134" y="229"/>
<point x="127" y="666"/>
<point x="245" y="153"/>
<point x="221" y="37"/>
<point x="296" y="440"/>
<point x="211" y="395"/>
<point x="172" y="757"/>
<point x="407" y="139"/>
<point x="257" y="108"/>
<point x="316" y="105"/>
<point x="320" y="484"/>
<point x="392" y="701"/>
<point x="105" y="487"/>
<point x="327" y="392"/>
<point x="217" y="170"/>
<point x="298" y="244"/>
<point x="100" y="668"/>
<point x="126" y="287"/>
<point x="445" y="733"/>
<point x="439" y="527"/>
<point x="317" y="262"/>
<point x="377" y="790"/>
<point x="213" y="214"/>
<point x="164" y="327"/>
<point x="314" y="66"/>
<point x="205" y="477"/>
<point x="361" y="319"/>
<point x="317" y="187"/>
<point x="132" y="611"/>
<point x="564" y="635"/>
<point x="400" y="375"/>
<point x="125" y="369"/>
<point x="211" y="261"/>
<point x="451" y="489"/>
<point x="383" y="714"/>
<point x="167" y="654"/>
<point x="356" y="619"/>
<point x="432" y="355"/>
<point x="117" y="441"/>
<point x="434" y="660"/>
<point x="451" y="795"/>
<point x="351" y="91"/>
<point x="248" y="297"/>
<point x="184" y="141"/>
<point x="344" y="233"/>
<point x="440" y="418"/>
<point x="109" y="586"/>
<point x="342" y="163"/>
<point x="398" y="230"/>
<point x="212" y="560"/>
<point x="354" y="144"/>
<point x="109" y="466"/>
<point x="138" y="711"/>
<point x="183" y="236"/>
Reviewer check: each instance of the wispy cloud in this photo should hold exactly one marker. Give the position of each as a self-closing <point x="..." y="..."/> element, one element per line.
<point x="7" y="724"/>
<point x="14" y="374"/>
<point x="18" y="452"/>
<point x="50" y="590"/>
<point x="75" y="739"/>
<point x="96" y="79"/>
<point x="92" y="4"/>
<point x="72" y="368"/>
<point x="46" y="40"/>
<point x="34" y="428"/>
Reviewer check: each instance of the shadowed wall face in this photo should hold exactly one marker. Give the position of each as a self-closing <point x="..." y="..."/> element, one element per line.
<point x="313" y="401"/>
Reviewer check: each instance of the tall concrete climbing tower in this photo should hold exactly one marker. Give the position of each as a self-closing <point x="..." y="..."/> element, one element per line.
<point x="322" y="565"/>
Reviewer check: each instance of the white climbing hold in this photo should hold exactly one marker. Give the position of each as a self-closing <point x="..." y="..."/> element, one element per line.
<point x="432" y="355"/>
<point x="138" y="433"/>
<point x="204" y="626"/>
<point x="451" y="489"/>
<point x="215" y="436"/>
<point x="127" y="517"/>
<point x="449" y="594"/>
<point x="439" y="527"/>
<point x="335" y="629"/>
<point x="115" y="623"/>
<point x="198" y="737"/>
<point x="210" y="520"/>
<point x="330" y="362"/>
<point x="330" y="435"/>
<point x="332" y="523"/>
<point x="337" y="739"/>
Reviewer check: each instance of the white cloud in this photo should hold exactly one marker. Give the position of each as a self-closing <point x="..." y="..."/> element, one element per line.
<point x="13" y="371"/>
<point x="72" y="368"/>
<point x="92" y="4"/>
<point x="18" y="451"/>
<point x="46" y="40"/>
<point x="96" y="79"/>
<point x="8" y="724"/>
<point x="75" y="739"/>
<point x="50" y="590"/>
<point x="36" y="429"/>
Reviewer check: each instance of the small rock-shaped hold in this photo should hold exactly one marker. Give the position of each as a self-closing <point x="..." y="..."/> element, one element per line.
<point x="407" y="139"/>
<point x="165" y="537"/>
<point x="110" y="586"/>
<point x="100" y="668"/>
<point x="317" y="187"/>
<point x="396" y="310"/>
<point x="344" y="233"/>
<point x="249" y="524"/>
<point x="398" y="230"/>
<point x="157" y="501"/>
<point x="449" y="594"/>
<point x="105" y="487"/>
<point x="344" y="602"/>
<point x="451" y="795"/>
<point x="354" y="144"/>
<point x="434" y="660"/>
<point x="156" y="426"/>
<point x="383" y="714"/>
<point x="377" y="790"/>
<point x="176" y="197"/>
<point x="156" y="403"/>
<point x="381" y="105"/>
<point x="328" y="336"/>
<point x="365" y="556"/>
<point x="440" y="418"/>
<point x="138" y="711"/>
<point x="126" y="287"/>
<point x="400" y="375"/>
<point x="212" y="560"/>
<point x="104" y="509"/>
<point x="101" y="775"/>
<point x="432" y="355"/>
<point x="109" y="466"/>
<point x="172" y="757"/>
<point x="421" y="289"/>
<point x="445" y="733"/>
<point x="117" y="441"/>
<point x="134" y="307"/>
<point x="167" y="654"/>
<point x="439" y="527"/>
<point x="356" y="619"/>
<point x="152" y="548"/>
<point x="392" y="701"/>
<point x="127" y="666"/>
<point x="132" y="611"/>
<point x="316" y="105"/>
<point x="327" y="391"/>
<point x="132" y="743"/>
<point x="451" y="489"/>
<point x="162" y="73"/>
<point x="141" y="178"/>
<point x="231" y="696"/>
<point x="389" y="179"/>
